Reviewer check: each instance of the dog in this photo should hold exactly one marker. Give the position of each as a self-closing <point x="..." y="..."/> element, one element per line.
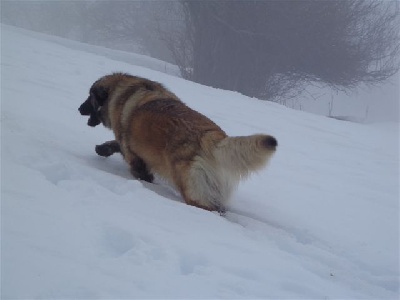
<point x="157" y="133"/>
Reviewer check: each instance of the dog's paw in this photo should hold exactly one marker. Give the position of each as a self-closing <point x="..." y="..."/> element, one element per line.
<point x="146" y="177"/>
<point x="104" y="150"/>
<point x="108" y="148"/>
<point x="140" y="171"/>
<point x="222" y="211"/>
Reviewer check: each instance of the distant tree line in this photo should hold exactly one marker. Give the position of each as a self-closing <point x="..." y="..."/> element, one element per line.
<point x="264" y="49"/>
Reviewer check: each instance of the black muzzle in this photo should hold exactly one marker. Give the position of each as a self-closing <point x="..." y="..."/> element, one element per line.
<point x="87" y="109"/>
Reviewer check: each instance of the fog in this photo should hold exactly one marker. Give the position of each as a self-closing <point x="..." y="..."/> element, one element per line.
<point x="122" y="25"/>
<point x="217" y="44"/>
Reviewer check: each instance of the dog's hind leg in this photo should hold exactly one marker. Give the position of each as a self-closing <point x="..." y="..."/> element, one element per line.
<point x="108" y="148"/>
<point x="204" y="186"/>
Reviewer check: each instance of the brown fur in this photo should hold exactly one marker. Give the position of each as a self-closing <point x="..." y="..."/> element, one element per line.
<point x="157" y="133"/>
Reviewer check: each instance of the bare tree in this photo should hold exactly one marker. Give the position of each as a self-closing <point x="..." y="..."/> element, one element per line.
<point x="172" y="26"/>
<point x="269" y="49"/>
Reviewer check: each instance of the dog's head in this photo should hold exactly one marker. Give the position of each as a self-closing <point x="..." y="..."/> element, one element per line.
<point x="95" y="104"/>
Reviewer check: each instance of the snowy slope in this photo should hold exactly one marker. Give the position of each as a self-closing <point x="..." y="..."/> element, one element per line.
<point x="320" y="222"/>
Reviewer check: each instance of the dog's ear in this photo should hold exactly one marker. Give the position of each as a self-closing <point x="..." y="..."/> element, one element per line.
<point x="100" y="94"/>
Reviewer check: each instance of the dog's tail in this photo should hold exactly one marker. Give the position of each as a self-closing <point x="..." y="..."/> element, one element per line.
<point x="210" y="182"/>
<point x="242" y="155"/>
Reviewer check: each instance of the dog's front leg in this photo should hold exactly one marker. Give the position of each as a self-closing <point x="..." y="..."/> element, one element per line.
<point x="108" y="148"/>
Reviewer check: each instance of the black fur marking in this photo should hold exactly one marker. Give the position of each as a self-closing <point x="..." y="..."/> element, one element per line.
<point x="140" y="171"/>
<point x="270" y="142"/>
<point x="166" y="106"/>
<point x="100" y="94"/>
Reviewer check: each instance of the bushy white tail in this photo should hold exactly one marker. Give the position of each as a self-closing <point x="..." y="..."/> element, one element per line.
<point x="210" y="182"/>
<point x="242" y="155"/>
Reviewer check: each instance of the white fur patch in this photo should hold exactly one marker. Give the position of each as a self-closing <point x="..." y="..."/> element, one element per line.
<point x="210" y="184"/>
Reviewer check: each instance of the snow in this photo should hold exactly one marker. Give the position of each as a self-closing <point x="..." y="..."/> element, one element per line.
<point x="320" y="222"/>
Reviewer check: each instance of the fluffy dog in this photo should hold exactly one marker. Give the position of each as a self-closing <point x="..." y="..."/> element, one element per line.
<point x="157" y="133"/>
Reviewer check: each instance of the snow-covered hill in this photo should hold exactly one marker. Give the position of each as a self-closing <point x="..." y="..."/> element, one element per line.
<point x="320" y="222"/>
